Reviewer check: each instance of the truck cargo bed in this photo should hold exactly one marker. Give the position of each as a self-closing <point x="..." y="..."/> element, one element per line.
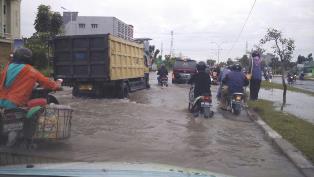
<point x="96" y="58"/>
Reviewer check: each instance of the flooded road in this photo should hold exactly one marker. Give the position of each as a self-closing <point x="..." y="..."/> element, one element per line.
<point x="301" y="84"/>
<point x="154" y="126"/>
<point x="298" y="104"/>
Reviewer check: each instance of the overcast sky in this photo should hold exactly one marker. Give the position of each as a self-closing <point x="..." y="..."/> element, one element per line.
<point x="197" y="24"/>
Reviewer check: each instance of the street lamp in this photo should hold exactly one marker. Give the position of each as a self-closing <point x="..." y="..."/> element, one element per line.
<point x="218" y="48"/>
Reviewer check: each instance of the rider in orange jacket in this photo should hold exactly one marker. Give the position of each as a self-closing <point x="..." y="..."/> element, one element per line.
<point x="18" y="79"/>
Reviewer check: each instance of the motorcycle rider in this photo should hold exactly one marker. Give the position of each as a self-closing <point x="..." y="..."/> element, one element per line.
<point x="202" y="83"/>
<point x="235" y="80"/>
<point x="162" y="72"/>
<point x="16" y="85"/>
<point x="18" y="79"/>
<point x="223" y="74"/>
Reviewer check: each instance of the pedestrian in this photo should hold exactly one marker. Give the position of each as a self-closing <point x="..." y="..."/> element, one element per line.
<point x="256" y="75"/>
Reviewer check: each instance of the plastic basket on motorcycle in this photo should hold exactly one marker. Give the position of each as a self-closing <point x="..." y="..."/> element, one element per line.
<point x="54" y="123"/>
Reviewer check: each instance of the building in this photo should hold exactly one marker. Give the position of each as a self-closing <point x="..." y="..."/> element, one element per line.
<point x="83" y="25"/>
<point x="10" y="27"/>
<point x="10" y="20"/>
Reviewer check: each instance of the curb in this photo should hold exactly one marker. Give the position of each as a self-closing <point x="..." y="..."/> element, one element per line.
<point x="292" y="153"/>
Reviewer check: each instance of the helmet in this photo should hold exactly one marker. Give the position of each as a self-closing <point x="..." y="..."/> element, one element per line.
<point x="255" y="54"/>
<point x="236" y="67"/>
<point x="23" y="56"/>
<point x="201" y="66"/>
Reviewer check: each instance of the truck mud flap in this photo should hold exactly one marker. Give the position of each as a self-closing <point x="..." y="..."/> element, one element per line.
<point x="137" y="85"/>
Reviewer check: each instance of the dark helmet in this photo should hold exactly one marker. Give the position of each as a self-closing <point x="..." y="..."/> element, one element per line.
<point x="201" y="66"/>
<point x="23" y="56"/>
<point x="255" y="54"/>
<point x="236" y="67"/>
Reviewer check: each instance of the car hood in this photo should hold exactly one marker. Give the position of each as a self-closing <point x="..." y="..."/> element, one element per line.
<point x="105" y="169"/>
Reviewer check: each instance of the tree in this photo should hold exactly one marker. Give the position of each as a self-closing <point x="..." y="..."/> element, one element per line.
<point x="275" y="64"/>
<point x="43" y="19"/>
<point x="301" y="59"/>
<point x="310" y="57"/>
<point x="282" y="47"/>
<point x="56" y="23"/>
<point x="211" y="62"/>
<point x="259" y="49"/>
<point x="244" y="61"/>
<point x="47" y="21"/>
<point x="47" y="25"/>
<point x="39" y="49"/>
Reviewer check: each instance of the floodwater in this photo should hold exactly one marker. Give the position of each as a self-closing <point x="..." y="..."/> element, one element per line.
<point x="302" y="84"/>
<point x="154" y="126"/>
<point x="298" y="104"/>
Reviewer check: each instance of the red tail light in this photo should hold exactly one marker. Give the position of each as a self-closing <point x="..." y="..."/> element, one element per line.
<point x="207" y="98"/>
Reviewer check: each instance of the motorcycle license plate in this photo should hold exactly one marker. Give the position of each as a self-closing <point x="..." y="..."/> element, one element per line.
<point x="13" y="127"/>
<point x="205" y="104"/>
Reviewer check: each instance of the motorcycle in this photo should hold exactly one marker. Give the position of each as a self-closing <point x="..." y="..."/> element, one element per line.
<point x="201" y="104"/>
<point x="214" y="78"/>
<point x="19" y="126"/>
<point x="163" y="81"/>
<point x="290" y="79"/>
<point x="268" y="77"/>
<point x="235" y="103"/>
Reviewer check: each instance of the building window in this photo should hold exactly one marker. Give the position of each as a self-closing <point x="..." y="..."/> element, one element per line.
<point x="94" y="25"/>
<point x="4" y="29"/>
<point x="81" y="25"/>
<point x="4" y="9"/>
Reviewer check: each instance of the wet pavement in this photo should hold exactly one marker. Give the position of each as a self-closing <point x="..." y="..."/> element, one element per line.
<point x="298" y="104"/>
<point x="154" y="126"/>
<point x="302" y="84"/>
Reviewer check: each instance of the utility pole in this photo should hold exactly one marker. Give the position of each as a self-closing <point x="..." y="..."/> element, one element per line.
<point x="246" y="48"/>
<point x="161" y="49"/>
<point x="218" y="50"/>
<point x="171" y="44"/>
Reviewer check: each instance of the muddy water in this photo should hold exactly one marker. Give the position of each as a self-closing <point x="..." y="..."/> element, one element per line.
<point x="154" y="126"/>
<point x="298" y="104"/>
<point x="302" y="84"/>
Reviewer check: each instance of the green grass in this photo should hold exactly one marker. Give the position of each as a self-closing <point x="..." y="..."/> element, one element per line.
<point x="271" y="85"/>
<point x="298" y="132"/>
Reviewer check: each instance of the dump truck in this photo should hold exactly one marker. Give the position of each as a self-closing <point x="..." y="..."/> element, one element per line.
<point x="99" y="65"/>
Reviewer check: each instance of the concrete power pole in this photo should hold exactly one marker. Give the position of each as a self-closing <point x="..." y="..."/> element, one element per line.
<point x="171" y="45"/>
<point x="161" y="49"/>
<point x="246" y="47"/>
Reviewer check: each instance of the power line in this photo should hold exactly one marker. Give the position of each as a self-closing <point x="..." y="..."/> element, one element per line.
<point x="246" y="20"/>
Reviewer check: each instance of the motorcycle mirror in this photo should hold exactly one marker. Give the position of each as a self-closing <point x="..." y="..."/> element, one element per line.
<point x="60" y="80"/>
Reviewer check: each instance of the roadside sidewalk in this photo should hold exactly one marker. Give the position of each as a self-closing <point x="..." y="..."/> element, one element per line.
<point x="296" y="157"/>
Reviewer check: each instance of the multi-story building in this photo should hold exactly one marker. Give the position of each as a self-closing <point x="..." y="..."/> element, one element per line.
<point x="10" y="21"/>
<point x="9" y="27"/>
<point x="83" y="25"/>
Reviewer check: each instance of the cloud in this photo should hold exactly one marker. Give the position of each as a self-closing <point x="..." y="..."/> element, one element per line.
<point x="197" y="23"/>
